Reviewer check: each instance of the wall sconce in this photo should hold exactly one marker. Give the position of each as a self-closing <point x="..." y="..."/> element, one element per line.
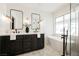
<point x="6" y="19"/>
<point x="26" y="22"/>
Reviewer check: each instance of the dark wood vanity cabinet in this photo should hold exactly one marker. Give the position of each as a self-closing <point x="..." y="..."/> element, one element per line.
<point x="22" y="44"/>
<point x="34" y="41"/>
<point x="40" y="42"/>
<point x="16" y="46"/>
<point x="11" y="47"/>
<point x="4" y="42"/>
<point x="27" y="43"/>
<point x="19" y="43"/>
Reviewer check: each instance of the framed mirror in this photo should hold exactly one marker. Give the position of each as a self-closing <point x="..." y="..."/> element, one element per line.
<point x="35" y="18"/>
<point x="17" y="19"/>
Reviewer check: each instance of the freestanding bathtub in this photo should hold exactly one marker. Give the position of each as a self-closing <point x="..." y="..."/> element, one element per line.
<point x="57" y="43"/>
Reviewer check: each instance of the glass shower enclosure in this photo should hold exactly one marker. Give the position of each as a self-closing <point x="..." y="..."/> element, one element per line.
<point x="71" y="30"/>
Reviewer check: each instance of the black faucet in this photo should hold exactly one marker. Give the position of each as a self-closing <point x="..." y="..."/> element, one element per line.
<point x="64" y="37"/>
<point x="16" y="30"/>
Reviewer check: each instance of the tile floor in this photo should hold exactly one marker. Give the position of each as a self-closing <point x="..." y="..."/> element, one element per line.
<point x="47" y="51"/>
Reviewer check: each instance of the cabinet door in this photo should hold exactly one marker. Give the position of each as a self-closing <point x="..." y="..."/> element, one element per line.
<point x="4" y="41"/>
<point x="27" y="43"/>
<point x="0" y="45"/>
<point x="40" y="42"/>
<point x="34" y="41"/>
<point x="12" y="47"/>
<point x="19" y="47"/>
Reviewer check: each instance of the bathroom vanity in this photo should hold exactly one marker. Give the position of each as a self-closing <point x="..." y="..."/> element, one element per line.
<point x="23" y="43"/>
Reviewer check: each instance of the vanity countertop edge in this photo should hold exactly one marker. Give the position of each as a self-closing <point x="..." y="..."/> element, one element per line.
<point x="8" y="34"/>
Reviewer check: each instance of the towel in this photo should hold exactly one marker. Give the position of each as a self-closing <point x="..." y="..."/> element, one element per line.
<point x="38" y="35"/>
<point x="13" y="36"/>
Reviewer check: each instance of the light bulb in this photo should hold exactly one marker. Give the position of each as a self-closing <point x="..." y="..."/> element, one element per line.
<point x="6" y="18"/>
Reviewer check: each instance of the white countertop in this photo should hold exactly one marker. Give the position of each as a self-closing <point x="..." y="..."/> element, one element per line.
<point x="6" y="34"/>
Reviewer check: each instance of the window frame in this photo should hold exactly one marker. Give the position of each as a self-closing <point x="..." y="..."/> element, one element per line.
<point x="64" y="21"/>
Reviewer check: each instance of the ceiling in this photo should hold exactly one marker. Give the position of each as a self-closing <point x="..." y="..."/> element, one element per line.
<point x="47" y="7"/>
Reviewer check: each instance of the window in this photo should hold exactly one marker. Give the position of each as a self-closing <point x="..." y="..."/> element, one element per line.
<point x="73" y="23"/>
<point x="59" y="25"/>
<point x="64" y="22"/>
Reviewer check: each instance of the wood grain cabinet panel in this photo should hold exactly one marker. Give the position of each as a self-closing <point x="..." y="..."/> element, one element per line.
<point x="27" y="43"/>
<point x="22" y="44"/>
<point x="19" y="44"/>
<point x="34" y="41"/>
<point x="40" y="42"/>
<point x="4" y="42"/>
<point x="12" y="47"/>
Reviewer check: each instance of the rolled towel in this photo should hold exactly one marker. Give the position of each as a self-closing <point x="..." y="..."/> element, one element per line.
<point x="38" y="35"/>
<point x="13" y="36"/>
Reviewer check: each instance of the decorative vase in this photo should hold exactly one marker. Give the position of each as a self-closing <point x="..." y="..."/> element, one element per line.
<point x="27" y="29"/>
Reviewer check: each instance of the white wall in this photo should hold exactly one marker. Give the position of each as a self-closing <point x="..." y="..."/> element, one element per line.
<point x="46" y="26"/>
<point x="3" y="25"/>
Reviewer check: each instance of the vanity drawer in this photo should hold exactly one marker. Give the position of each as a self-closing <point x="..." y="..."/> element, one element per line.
<point x="20" y="37"/>
<point x="27" y="38"/>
